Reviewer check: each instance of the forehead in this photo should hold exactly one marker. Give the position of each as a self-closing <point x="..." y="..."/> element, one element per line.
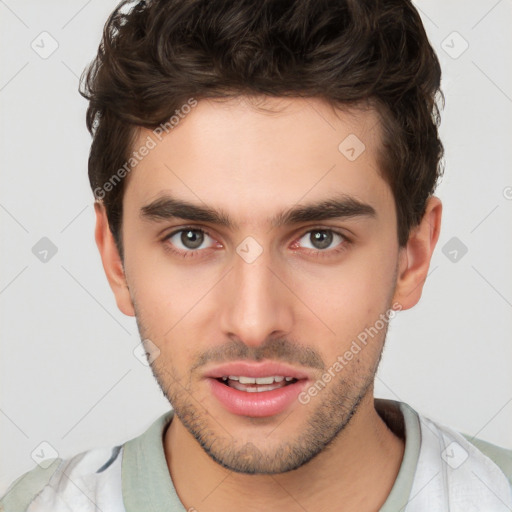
<point x="252" y="157"/>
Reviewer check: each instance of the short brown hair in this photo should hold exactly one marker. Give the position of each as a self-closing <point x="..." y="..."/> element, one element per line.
<point x="158" y="54"/>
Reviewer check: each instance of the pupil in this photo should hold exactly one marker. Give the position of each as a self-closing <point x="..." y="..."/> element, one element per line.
<point x="192" y="239"/>
<point x="321" y="239"/>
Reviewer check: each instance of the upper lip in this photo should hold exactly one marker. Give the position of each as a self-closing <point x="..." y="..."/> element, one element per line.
<point x="260" y="369"/>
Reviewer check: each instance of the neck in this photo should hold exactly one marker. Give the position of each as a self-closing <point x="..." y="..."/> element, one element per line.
<point x="357" y="471"/>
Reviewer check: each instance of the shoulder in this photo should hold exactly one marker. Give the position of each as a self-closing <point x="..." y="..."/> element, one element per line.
<point x="440" y="444"/>
<point x="82" y="482"/>
<point x="500" y="456"/>
<point x="22" y="491"/>
<point x="91" y="480"/>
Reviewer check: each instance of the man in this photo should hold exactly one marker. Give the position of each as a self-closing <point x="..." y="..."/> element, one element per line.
<point x="264" y="176"/>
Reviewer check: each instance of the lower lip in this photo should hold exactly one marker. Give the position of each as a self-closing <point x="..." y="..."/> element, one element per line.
<point x="259" y="404"/>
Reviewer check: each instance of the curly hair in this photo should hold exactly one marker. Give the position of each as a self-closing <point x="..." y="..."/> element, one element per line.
<point x="157" y="54"/>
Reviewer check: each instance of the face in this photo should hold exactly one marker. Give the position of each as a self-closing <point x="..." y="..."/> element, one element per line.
<point x="284" y="254"/>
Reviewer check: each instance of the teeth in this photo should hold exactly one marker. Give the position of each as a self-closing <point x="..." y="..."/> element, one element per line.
<point x="247" y="380"/>
<point x="257" y="380"/>
<point x="255" y="389"/>
<point x="264" y="380"/>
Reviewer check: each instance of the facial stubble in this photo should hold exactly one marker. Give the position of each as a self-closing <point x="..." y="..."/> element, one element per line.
<point x="330" y="412"/>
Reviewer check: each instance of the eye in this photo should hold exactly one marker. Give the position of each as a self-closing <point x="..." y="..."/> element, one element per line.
<point x="320" y="239"/>
<point x="189" y="239"/>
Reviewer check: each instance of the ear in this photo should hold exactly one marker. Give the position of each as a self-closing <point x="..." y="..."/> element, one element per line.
<point x="112" y="261"/>
<point x="414" y="258"/>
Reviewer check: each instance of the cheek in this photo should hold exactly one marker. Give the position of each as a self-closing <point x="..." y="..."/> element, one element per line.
<point x="348" y="297"/>
<point x="169" y="297"/>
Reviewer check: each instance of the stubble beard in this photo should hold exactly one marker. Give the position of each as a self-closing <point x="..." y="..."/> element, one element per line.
<point x="331" y="412"/>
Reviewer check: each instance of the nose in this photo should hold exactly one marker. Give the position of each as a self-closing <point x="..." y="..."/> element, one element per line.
<point x="255" y="304"/>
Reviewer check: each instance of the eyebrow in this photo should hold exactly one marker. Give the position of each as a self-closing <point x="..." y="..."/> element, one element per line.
<point x="340" y="207"/>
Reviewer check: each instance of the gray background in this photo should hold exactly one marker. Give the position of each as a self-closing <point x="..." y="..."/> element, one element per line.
<point x="67" y="369"/>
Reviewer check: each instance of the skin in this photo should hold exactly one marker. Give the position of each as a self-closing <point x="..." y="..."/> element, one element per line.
<point x="294" y="303"/>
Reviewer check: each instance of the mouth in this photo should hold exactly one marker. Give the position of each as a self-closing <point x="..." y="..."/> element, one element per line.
<point x="256" y="389"/>
<point x="256" y="384"/>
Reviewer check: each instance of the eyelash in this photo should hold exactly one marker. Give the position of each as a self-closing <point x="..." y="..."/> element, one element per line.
<point x="342" y="246"/>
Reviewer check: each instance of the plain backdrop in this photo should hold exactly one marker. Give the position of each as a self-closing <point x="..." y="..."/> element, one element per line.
<point x="68" y="374"/>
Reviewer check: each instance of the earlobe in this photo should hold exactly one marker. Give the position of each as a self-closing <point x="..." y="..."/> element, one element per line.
<point x="415" y="257"/>
<point x="111" y="260"/>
